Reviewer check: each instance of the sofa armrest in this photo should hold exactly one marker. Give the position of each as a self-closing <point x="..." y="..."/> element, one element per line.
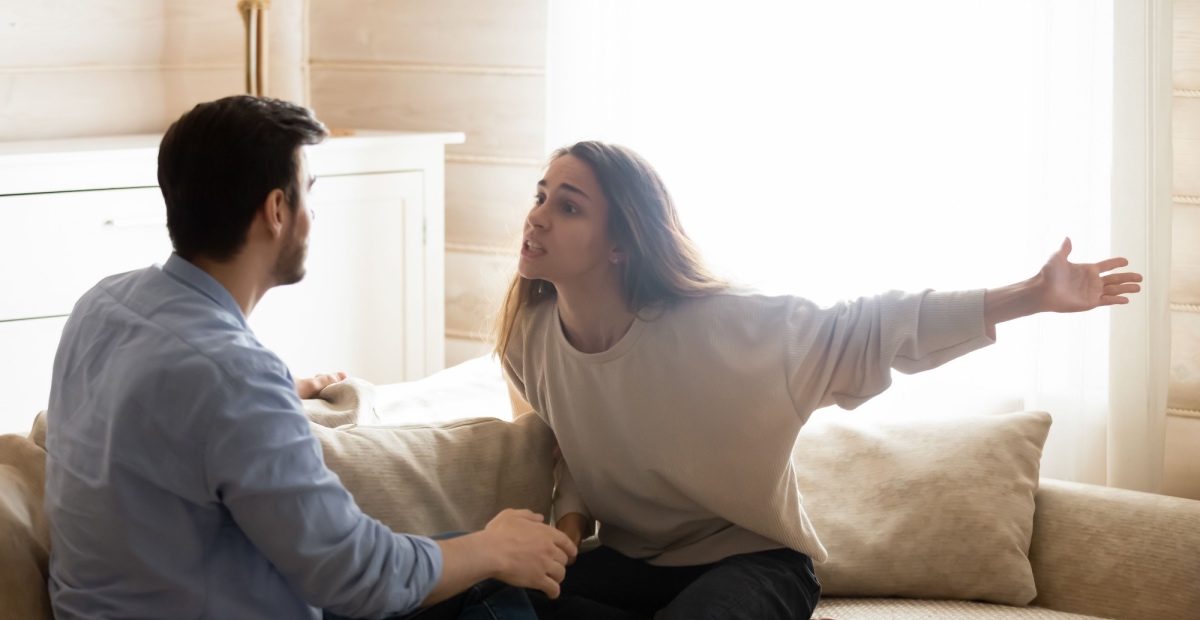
<point x="1115" y="553"/>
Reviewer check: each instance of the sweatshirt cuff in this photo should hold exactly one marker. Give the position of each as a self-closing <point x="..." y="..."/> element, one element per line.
<point x="950" y="325"/>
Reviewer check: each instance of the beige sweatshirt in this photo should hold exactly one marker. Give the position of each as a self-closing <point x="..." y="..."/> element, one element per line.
<point x="678" y="439"/>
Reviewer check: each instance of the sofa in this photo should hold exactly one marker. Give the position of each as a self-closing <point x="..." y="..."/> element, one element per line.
<point x="917" y="525"/>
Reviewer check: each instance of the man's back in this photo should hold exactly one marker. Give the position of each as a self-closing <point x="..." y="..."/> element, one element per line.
<point x="182" y="480"/>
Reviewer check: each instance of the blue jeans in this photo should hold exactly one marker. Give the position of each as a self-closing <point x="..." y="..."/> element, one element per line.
<point x="603" y="584"/>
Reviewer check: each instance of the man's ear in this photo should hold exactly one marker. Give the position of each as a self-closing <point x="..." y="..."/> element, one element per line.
<point x="273" y="213"/>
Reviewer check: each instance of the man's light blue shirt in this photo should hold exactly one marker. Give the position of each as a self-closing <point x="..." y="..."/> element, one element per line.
<point x="182" y="480"/>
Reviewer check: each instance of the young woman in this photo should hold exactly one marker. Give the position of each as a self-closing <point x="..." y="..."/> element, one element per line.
<point x="676" y="400"/>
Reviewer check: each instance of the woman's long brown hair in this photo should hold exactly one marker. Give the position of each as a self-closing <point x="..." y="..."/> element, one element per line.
<point x="661" y="265"/>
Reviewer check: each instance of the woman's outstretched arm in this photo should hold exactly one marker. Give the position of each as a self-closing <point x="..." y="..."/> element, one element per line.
<point x="1061" y="286"/>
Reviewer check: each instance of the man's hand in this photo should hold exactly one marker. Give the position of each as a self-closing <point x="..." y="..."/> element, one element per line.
<point x="573" y="525"/>
<point x="312" y="386"/>
<point x="515" y="547"/>
<point x="529" y="553"/>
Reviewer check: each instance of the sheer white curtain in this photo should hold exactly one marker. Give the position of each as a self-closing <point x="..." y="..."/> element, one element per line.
<point x="833" y="150"/>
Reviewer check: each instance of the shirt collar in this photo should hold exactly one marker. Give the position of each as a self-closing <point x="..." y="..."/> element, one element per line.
<point x="179" y="268"/>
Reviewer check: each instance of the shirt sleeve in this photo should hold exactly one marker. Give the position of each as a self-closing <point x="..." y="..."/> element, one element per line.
<point x="844" y="354"/>
<point x="265" y="466"/>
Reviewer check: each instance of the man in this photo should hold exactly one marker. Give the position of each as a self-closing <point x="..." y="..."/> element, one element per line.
<point x="182" y="480"/>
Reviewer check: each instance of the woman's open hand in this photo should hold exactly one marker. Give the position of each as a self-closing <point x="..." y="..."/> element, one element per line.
<point x="1077" y="287"/>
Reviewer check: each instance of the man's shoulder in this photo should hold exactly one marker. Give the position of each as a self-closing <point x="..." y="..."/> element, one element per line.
<point x="161" y="316"/>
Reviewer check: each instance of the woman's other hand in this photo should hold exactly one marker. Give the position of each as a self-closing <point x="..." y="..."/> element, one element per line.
<point x="573" y="525"/>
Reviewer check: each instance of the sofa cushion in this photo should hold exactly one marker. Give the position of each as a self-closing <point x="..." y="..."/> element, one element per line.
<point x="1117" y="553"/>
<point x="350" y="401"/>
<point x="934" y="509"/>
<point x="439" y="477"/>
<point x="905" y="609"/>
<point x="24" y="531"/>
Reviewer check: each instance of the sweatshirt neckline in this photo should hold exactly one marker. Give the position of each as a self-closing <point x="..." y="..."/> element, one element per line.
<point x="617" y="350"/>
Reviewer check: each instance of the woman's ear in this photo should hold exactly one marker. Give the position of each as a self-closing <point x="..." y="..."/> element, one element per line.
<point x="616" y="256"/>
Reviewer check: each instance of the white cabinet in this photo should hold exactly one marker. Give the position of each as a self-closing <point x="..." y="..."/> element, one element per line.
<point x="371" y="304"/>
<point x="351" y="264"/>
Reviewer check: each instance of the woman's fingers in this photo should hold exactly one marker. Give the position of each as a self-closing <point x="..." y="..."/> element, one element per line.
<point x="1121" y="289"/>
<point x="1112" y="263"/>
<point x="1121" y="278"/>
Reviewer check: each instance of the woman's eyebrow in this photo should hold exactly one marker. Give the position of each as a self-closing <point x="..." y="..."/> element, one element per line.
<point x="572" y="188"/>
<point x="566" y="186"/>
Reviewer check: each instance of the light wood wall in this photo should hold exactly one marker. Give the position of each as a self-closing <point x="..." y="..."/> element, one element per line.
<point x="1182" y="475"/>
<point x="74" y="68"/>
<point x="456" y="65"/>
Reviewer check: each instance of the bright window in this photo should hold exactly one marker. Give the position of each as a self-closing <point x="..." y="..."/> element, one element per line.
<point x="833" y="150"/>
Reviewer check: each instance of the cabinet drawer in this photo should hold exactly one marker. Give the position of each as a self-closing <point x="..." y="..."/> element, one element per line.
<point x="27" y="351"/>
<point x="56" y="246"/>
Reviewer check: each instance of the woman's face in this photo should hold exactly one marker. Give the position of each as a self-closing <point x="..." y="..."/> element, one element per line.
<point x="566" y="233"/>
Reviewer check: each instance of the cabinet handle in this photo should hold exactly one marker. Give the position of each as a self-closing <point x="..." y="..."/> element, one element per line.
<point x="158" y="221"/>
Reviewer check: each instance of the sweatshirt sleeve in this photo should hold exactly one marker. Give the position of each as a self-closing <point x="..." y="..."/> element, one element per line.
<point x="844" y="354"/>
<point x="567" y="498"/>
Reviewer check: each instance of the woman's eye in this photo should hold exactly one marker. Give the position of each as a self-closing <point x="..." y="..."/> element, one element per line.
<point x="539" y="198"/>
<point x="569" y="208"/>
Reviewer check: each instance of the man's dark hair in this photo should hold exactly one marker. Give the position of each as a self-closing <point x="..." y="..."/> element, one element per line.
<point x="218" y="163"/>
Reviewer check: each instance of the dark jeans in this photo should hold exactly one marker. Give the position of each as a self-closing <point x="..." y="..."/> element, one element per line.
<point x="603" y="584"/>
<point x="488" y="600"/>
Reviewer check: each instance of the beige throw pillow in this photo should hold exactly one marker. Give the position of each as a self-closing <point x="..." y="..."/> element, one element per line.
<point x="350" y="401"/>
<point x="24" y="531"/>
<point x="442" y="477"/>
<point x="938" y="509"/>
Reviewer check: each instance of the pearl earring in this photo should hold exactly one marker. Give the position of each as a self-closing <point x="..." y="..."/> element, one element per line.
<point x="615" y="260"/>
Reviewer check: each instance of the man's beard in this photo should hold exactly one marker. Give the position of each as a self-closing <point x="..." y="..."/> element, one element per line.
<point x="289" y="267"/>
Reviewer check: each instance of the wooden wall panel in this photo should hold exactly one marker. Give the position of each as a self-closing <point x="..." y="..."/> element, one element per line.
<point x="1185" y="254"/>
<point x="119" y="32"/>
<point x="1181" y="474"/>
<point x="503" y="116"/>
<point x="96" y="103"/>
<point x="73" y="68"/>
<point x="73" y="33"/>
<point x="486" y="204"/>
<point x="1182" y="471"/>
<point x="1184" y="390"/>
<point x="447" y="65"/>
<point x="288" y="55"/>
<point x="440" y="32"/>
<point x="475" y="285"/>
<point x="1186" y="61"/>
<point x="1186" y="140"/>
